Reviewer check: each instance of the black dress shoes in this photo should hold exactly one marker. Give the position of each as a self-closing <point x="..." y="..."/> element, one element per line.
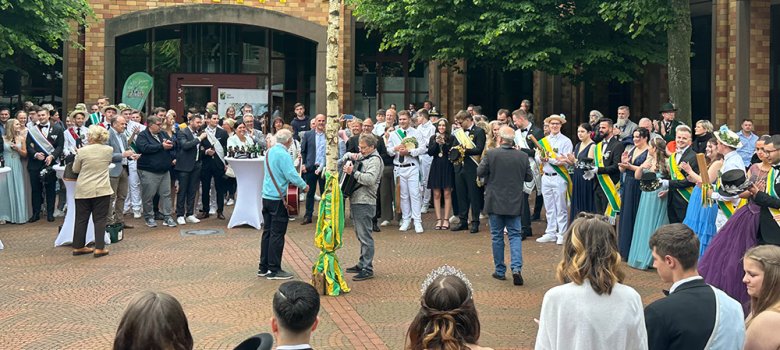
<point x="220" y="216"/>
<point x="475" y="227"/>
<point x="517" y="279"/>
<point x="375" y="228"/>
<point x="50" y="218"/>
<point x="306" y="220"/>
<point x="34" y="218"/>
<point x="461" y="227"/>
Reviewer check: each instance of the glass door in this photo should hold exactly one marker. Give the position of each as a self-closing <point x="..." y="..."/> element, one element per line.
<point x="195" y="96"/>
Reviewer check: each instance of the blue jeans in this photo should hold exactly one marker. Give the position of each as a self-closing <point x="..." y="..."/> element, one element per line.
<point x="512" y="225"/>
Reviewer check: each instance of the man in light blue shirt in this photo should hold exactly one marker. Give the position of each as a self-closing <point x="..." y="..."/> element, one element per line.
<point x="748" y="140"/>
<point x="279" y="172"/>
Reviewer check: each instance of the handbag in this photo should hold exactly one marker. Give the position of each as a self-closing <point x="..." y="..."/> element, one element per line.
<point x="281" y="195"/>
<point x="229" y="172"/>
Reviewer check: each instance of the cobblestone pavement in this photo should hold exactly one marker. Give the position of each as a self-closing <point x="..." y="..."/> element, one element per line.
<point x="52" y="300"/>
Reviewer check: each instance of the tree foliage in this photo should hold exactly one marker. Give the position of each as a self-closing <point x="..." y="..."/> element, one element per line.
<point x="36" y="28"/>
<point x="570" y="38"/>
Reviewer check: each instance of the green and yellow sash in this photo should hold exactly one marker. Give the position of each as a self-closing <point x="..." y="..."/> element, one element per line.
<point x="563" y="172"/>
<point x="607" y="185"/>
<point x="678" y="175"/>
<point x="727" y="206"/>
<point x="771" y="177"/>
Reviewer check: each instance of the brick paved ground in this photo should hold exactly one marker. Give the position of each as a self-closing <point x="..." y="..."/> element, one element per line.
<point x="50" y="299"/>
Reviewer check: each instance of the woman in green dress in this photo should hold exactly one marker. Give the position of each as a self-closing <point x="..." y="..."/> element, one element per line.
<point x="13" y="204"/>
<point x="652" y="205"/>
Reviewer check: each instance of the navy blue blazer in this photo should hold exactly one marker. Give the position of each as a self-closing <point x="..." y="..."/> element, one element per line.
<point x="309" y="150"/>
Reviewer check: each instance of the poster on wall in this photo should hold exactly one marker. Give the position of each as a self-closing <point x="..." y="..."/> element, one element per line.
<point x="257" y="98"/>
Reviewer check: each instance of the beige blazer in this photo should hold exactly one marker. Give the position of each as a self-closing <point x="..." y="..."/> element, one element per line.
<point x="91" y="164"/>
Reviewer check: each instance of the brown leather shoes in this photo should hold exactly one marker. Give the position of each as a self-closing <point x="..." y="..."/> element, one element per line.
<point x="101" y="252"/>
<point x="203" y="216"/>
<point x="82" y="251"/>
<point x="126" y="225"/>
<point x="220" y="216"/>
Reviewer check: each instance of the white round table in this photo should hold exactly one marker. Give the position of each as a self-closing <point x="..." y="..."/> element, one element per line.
<point x="3" y="171"/>
<point x="248" y="209"/>
<point x="65" y="235"/>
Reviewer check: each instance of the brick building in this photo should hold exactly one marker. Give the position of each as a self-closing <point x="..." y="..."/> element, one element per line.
<point x="193" y="48"/>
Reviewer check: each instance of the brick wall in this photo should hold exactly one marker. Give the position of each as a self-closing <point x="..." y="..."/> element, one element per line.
<point x="759" y="66"/>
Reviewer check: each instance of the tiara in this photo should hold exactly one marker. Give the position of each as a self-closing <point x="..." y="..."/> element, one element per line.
<point x="446" y="270"/>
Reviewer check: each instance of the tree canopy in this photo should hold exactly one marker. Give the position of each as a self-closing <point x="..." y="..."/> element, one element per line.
<point x="566" y="38"/>
<point x="36" y="28"/>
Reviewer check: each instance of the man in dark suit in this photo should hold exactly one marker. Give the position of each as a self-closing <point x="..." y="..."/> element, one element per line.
<point x="526" y="129"/>
<point x="44" y="146"/>
<point x="505" y="169"/>
<point x="313" y="153"/>
<point x="769" y="228"/>
<point x="296" y="305"/>
<point x="677" y="204"/>
<point x="212" y="157"/>
<point x="711" y="319"/>
<point x="187" y="168"/>
<point x="469" y="195"/>
<point x="154" y="167"/>
<point x="611" y="151"/>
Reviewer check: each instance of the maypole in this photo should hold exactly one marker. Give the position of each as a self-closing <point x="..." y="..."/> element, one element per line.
<point x="327" y="274"/>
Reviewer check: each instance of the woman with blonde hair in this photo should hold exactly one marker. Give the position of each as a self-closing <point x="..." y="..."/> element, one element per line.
<point x="93" y="190"/>
<point x="13" y="202"/>
<point x="593" y="309"/>
<point x="762" y="278"/>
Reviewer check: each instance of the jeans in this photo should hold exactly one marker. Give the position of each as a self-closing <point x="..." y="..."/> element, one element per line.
<point x="362" y="215"/>
<point x="512" y="225"/>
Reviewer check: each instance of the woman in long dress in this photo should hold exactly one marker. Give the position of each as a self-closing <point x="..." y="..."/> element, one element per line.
<point x="700" y="217"/>
<point x="21" y="116"/>
<point x="13" y="205"/>
<point x="582" y="189"/>
<point x="441" y="178"/>
<point x="722" y="265"/>
<point x="652" y="212"/>
<point x="629" y="201"/>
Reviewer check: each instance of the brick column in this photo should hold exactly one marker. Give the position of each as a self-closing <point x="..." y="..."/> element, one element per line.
<point x="758" y="109"/>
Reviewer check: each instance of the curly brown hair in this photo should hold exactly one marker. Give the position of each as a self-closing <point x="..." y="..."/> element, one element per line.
<point x="447" y="319"/>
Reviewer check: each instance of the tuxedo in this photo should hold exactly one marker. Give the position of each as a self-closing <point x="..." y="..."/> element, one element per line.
<point x="710" y="318"/>
<point x="677" y="205"/>
<point x="213" y="168"/>
<point x="187" y="170"/>
<point x="525" y="215"/>
<point x="469" y="195"/>
<point x="768" y="229"/>
<point x="54" y="134"/>
<point x="613" y="153"/>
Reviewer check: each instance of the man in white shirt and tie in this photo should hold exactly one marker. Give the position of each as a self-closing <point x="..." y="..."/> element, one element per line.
<point x="554" y="184"/>
<point x="407" y="168"/>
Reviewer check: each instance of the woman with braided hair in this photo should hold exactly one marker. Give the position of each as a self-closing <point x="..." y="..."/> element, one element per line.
<point x="448" y="318"/>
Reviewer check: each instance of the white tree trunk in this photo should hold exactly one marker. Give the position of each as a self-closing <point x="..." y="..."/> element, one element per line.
<point x="331" y="85"/>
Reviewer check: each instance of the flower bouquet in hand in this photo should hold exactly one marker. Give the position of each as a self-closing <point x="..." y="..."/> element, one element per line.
<point x="410" y="142"/>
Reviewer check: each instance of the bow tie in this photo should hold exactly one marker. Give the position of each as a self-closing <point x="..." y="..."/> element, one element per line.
<point x="43" y="126"/>
<point x="523" y="130"/>
<point x="666" y="292"/>
<point x="777" y="167"/>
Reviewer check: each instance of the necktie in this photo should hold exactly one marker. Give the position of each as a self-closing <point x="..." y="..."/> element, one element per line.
<point x="78" y="131"/>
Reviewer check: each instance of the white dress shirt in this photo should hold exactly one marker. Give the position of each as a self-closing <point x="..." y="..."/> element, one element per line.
<point x="562" y="144"/>
<point x="394" y="140"/>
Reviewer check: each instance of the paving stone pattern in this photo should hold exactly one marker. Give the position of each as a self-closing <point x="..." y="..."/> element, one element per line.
<point x="52" y="300"/>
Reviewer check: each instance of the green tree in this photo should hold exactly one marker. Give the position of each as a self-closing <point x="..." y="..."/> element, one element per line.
<point x="669" y="17"/>
<point x="566" y="38"/>
<point x="36" y="28"/>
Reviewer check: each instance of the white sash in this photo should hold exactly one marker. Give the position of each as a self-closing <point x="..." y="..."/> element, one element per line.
<point x="41" y="140"/>
<point x="217" y="146"/>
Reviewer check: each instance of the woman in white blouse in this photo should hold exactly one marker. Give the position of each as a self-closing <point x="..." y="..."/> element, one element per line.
<point x="240" y="138"/>
<point x="593" y="309"/>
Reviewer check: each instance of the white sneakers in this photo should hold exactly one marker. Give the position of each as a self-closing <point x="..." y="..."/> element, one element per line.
<point x="424" y="209"/>
<point x="384" y="223"/>
<point x="230" y="202"/>
<point x="58" y="213"/>
<point x="212" y="212"/>
<point x="559" y="241"/>
<point x="547" y="239"/>
<point x="192" y="219"/>
<point x="405" y="225"/>
<point x="418" y="227"/>
<point x="180" y="220"/>
<point x="137" y="214"/>
<point x="454" y="219"/>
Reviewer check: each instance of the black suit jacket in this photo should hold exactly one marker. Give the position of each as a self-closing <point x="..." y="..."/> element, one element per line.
<point x="186" y="150"/>
<point x="213" y="162"/>
<point x="505" y="170"/>
<point x="479" y="146"/>
<point x="676" y="200"/>
<point x="670" y="328"/>
<point x="612" y="157"/>
<point x="538" y="134"/>
<point x="56" y="139"/>
<point x="768" y="230"/>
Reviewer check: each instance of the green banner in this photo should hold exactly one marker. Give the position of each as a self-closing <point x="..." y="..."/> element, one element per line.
<point x="137" y="87"/>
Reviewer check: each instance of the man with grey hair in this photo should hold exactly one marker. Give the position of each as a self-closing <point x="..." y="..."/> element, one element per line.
<point x="256" y="135"/>
<point x="118" y="176"/>
<point x="648" y="124"/>
<point x="154" y="166"/>
<point x="367" y="172"/>
<point x="505" y="169"/>
<point x="626" y="126"/>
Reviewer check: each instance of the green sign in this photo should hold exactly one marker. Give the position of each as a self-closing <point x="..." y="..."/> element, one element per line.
<point x="137" y="87"/>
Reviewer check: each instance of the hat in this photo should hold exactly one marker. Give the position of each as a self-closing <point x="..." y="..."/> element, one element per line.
<point x="123" y="107"/>
<point x="649" y="182"/>
<point x="668" y="107"/>
<point x="111" y="107"/>
<point x="733" y="182"/>
<point x="81" y="106"/>
<point x="728" y="137"/>
<point x="560" y="117"/>
<point x="78" y="111"/>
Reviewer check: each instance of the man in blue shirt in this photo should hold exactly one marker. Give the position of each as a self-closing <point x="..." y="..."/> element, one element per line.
<point x="279" y="172"/>
<point x="748" y="140"/>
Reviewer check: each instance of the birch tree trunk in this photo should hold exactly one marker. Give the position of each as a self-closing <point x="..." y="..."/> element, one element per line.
<point x="679" y="65"/>
<point x="331" y="86"/>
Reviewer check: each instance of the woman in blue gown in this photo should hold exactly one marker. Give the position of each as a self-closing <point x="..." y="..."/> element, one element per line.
<point x="582" y="190"/>
<point x="652" y="212"/>
<point x="700" y="215"/>
<point x="631" y="161"/>
<point x="13" y="204"/>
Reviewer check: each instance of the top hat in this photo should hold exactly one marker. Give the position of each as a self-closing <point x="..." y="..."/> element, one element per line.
<point x="559" y="117"/>
<point x="728" y="137"/>
<point x="668" y="107"/>
<point x="649" y="182"/>
<point x="733" y="182"/>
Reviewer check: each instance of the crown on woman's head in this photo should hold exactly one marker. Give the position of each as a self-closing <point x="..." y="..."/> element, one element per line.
<point x="446" y="270"/>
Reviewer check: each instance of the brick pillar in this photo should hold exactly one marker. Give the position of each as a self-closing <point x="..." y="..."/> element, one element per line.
<point x="759" y="67"/>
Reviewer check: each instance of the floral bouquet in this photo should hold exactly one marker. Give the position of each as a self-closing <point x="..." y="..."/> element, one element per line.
<point x="410" y="142"/>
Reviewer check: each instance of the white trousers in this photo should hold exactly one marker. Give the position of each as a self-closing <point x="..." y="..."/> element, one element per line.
<point x="554" y="194"/>
<point x="133" y="200"/>
<point x="425" y="170"/>
<point x="409" y="180"/>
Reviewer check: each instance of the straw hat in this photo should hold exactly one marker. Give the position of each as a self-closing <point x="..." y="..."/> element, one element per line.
<point x="728" y="137"/>
<point x="559" y="117"/>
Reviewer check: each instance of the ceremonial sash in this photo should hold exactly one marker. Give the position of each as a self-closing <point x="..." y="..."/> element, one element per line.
<point x="558" y="169"/>
<point x="401" y="134"/>
<point x="771" y="177"/>
<point x="727" y="206"/>
<point x="465" y="140"/>
<point x="41" y="140"/>
<point x="607" y="185"/>
<point x="217" y="146"/>
<point x="678" y="175"/>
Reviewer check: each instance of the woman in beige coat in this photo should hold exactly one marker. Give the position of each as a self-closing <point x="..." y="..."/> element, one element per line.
<point x="93" y="190"/>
